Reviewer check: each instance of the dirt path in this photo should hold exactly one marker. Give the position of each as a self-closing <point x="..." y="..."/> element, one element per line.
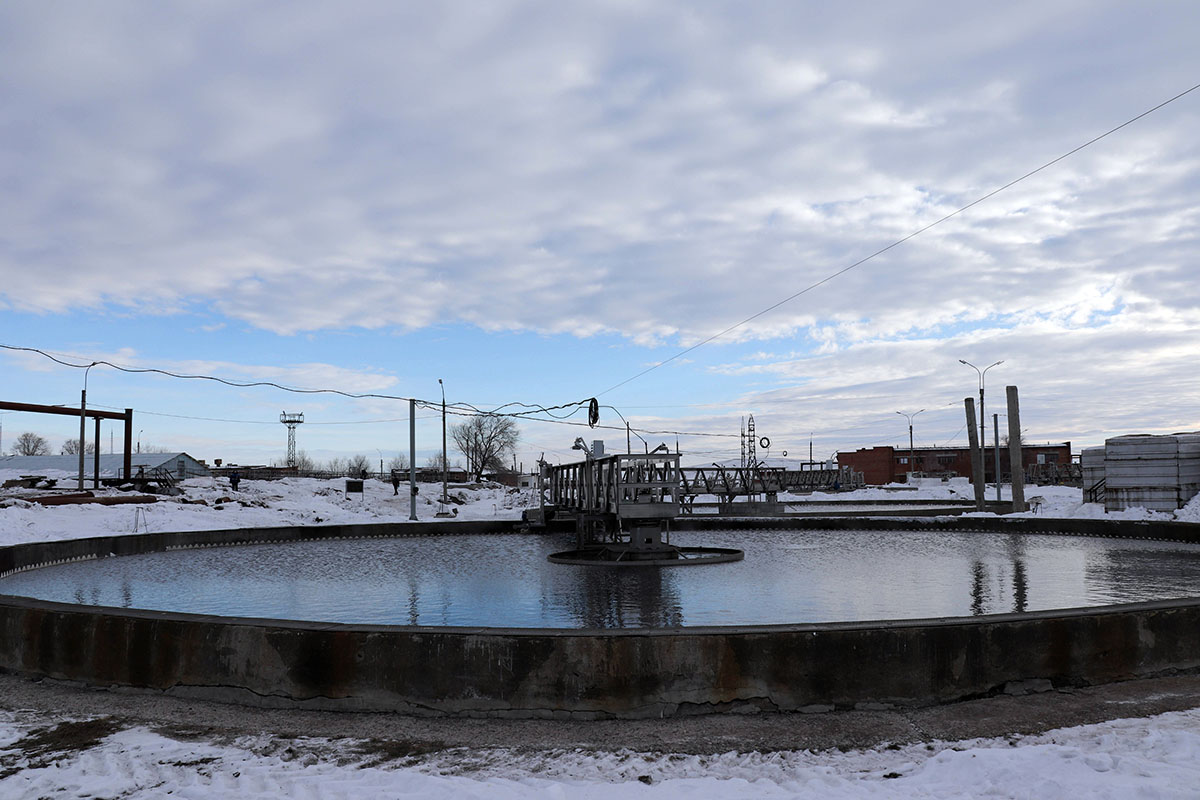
<point x="392" y="733"/>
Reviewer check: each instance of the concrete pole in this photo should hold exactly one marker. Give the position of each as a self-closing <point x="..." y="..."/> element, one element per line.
<point x="82" y="430"/>
<point x="127" y="466"/>
<point x="96" y="458"/>
<point x="1016" y="463"/>
<point x="976" y="453"/>
<point x="412" y="459"/>
<point x="996" y="450"/>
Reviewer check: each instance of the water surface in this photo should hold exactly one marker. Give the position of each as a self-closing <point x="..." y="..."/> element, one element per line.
<point x="505" y="580"/>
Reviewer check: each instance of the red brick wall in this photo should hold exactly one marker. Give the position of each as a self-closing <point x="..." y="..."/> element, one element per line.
<point x="876" y="464"/>
<point x="881" y="465"/>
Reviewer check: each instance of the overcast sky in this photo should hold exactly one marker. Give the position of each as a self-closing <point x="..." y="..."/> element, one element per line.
<point x="537" y="201"/>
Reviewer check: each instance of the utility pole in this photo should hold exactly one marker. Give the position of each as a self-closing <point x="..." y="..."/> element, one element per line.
<point x="445" y="499"/>
<point x="412" y="459"/>
<point x="83" y="423"/>
<point x="982" y="379"/>
<point x="911" y="449"/>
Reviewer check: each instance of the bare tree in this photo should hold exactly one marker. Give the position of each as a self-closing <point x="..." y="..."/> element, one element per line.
<point x="71" y="448"/>
<point x="400" y="462"/>
<point x="30" y="444"/>
<point x="304" y="462"/>
<point x="485" y="440"/>
<point x="336" y="465"/>
<point x="435" y="462"/>
<point x="358" y="465"/>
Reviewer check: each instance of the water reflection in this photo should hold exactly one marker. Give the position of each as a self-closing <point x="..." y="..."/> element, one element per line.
<point x="505" y="581"/>
<point x="633" y="597"/>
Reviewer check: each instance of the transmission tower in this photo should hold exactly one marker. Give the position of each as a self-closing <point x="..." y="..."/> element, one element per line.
<point x="291" y="420"/>
<point x="743" y="442"/>
<point x="751" y="446"/>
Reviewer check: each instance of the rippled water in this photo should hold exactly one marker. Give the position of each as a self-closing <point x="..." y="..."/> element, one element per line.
<point x="786" y="577"/>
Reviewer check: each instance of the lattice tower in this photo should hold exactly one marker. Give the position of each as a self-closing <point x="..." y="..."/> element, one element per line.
<point x="743" y="440"/>
<point x="292" y="421"/>
<point x="751" y="445"/>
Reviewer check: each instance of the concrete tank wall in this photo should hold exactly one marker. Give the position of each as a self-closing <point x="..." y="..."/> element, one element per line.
<point x="584" y="673"/>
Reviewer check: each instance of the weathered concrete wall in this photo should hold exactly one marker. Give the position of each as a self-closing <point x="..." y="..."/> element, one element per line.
<point x="508" y="672"/>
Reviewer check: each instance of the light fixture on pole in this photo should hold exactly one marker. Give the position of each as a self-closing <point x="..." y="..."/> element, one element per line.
<point x="83" y="422"/>
<point x="445" y="499"/>
<point x="139" y="443"/>
<point x="982" y="418"/>
<point x="911" y="449"/>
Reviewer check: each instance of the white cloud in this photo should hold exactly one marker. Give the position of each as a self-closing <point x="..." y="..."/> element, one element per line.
<point x="648" y="170"/>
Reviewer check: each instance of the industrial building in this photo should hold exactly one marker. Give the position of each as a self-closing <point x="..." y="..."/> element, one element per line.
<point x="177" y="465"/>
<point x="880" y="465"/>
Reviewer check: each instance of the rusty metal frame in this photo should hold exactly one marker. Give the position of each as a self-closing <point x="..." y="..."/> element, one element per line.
<point x="62" y="411"/>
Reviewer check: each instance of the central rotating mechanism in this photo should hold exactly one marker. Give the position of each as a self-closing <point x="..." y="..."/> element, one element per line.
<point x="623" y="506"/>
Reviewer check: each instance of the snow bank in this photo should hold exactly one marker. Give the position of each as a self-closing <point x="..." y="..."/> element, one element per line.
<point x="1153" y="757"/>
<point x="209" y="504"/>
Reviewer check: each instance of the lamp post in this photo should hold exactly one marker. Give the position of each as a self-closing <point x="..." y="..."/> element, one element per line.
<point x="83" y="422"/>
<point x="443" y="512"/>
<point x="911" y="449"/>
<point x="982" y="418"/>
<point x="139" y="443"/>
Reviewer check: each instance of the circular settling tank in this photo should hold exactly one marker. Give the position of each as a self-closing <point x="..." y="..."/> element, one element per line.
<point x="452" y="618"/>
<point x="787" y="576"/>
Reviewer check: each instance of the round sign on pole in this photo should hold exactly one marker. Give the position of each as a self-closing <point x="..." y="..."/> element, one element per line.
<point x="764" y="443"/>
<point x="785" y="453"/>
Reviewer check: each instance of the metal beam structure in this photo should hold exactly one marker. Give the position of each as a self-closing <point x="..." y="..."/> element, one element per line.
<point x="64" y="411"/>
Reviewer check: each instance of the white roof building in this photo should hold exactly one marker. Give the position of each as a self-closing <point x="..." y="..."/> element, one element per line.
<point x="180" y="465"/>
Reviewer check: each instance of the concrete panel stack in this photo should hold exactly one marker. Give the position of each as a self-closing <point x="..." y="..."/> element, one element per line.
<point x="1189" y="466"/>
<point x="1091" y="460"/>
<point x="1159" y="473"/>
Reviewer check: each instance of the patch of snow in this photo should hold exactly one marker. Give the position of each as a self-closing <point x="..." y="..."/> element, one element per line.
<point x="1151" y="757"/>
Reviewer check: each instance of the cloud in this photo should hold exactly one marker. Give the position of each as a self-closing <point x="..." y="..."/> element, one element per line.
<point x="648" y="171"/>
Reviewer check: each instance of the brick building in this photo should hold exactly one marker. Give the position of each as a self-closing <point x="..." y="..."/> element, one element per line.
<point x="881" y="465"/>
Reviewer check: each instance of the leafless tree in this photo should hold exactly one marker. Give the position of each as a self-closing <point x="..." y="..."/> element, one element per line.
<point x="30" y="444"/>
<point x="358" y="465"/>
<point x="435" y="462"/>
<point x="400" y="462"/>
<point x="304" y="462"/>
<point x="485" y="440"/>
<point x="336" y="465"/>
<point x="71" y="447"/>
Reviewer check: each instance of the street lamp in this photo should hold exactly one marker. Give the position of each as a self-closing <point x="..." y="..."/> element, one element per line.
<point x="445" y="499"/>
<point x="911" y="449"/>
<point x="83" y="424"/>
<point x="982" y="378"/>
<point x="139" y="443"/>
<point x="982" y="418"/>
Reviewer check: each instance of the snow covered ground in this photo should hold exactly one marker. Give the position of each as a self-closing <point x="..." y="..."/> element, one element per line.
<point x="1154" y="757"/>
<point x="44" y="754"/>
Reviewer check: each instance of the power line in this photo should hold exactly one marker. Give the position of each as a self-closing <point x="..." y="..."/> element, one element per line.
<point x="897" y="243"/>
<point x="457" y="409"/>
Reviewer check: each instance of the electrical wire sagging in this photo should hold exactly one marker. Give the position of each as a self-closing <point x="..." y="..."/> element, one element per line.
<point x="457" y="409"/>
